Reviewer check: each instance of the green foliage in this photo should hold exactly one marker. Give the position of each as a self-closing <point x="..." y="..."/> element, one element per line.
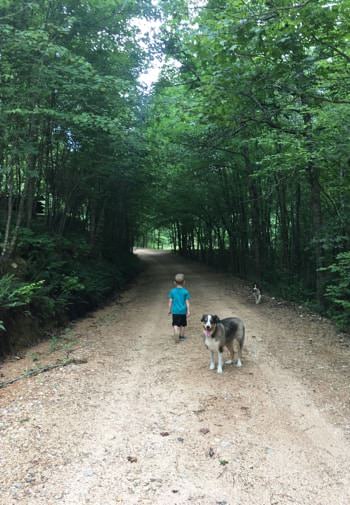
<point x="71" y="152"/>
<point x="35" y="356"/>
<point x="72" y="280"/>
<point x="14" y="294"/>
<point x="54" y="343"/>
<point x="338" y="289"/>
<point x="61" y="280"/>
<point x="70" y="117"/>
<point x="239" y="157"/>
<point x="248" y="140"/>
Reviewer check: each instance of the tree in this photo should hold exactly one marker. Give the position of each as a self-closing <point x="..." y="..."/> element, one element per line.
<point x="256" y="108"/>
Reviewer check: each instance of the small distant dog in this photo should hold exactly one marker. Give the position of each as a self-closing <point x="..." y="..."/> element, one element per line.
<point x="219" y="333"/>
<point x="257" y="293"/>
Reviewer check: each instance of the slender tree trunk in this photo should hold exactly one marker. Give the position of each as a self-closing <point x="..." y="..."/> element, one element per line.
<point x="316" y="212"/>
<point x="20" y="213"/>
<point x="297" y="262"/>
<point x="9" y="214"/>
<point x="283" y="222"/>
<point x="30" y="200"/>
<point x="313" y="173"/>
<point x="255" y="215"/>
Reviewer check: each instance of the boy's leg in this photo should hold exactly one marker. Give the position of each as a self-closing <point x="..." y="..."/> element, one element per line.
<point x="176" y="328"/>
<point x="176" y="333"/>
<point x="183" y="329"/>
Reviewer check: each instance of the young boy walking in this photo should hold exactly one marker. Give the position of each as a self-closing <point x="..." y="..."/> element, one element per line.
<point x="179" y="307"/>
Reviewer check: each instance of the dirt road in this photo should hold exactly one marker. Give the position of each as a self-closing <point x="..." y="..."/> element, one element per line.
<point x="144" y="421"/>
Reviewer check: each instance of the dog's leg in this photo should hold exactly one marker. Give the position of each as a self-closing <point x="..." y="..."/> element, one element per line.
<point x="220" y="361"/>
<point x="237" y="353"/>
<point x="212" y="361"/>
<point x="239" y="362"/>
<point x="232" y="355"/>
<point x="257" y="297"/>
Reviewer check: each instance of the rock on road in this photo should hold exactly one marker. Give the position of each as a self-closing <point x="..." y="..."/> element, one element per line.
<point x="144" y="421"/>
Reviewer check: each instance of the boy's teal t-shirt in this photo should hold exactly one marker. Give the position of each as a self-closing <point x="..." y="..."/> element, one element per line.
<point x="179" y="297"/>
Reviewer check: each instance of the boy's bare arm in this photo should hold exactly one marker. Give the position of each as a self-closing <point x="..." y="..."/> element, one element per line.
<point x="188" y="308"/>
<point x="170" y="302"/>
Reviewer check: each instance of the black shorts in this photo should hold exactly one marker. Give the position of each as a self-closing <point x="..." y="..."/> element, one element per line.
<point x="179" y="320"/>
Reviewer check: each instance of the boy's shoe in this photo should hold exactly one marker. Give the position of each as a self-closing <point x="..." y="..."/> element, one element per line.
<point x="182" y="337"/>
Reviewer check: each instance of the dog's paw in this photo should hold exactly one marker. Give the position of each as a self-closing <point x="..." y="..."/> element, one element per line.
<point x="219" y="370"/>
<point x="229" y="362"/>
<point x="238" y="363"/>
<point x="212" y="366"/>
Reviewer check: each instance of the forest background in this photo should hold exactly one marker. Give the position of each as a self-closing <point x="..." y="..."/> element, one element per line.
<point x="238" y="156"/>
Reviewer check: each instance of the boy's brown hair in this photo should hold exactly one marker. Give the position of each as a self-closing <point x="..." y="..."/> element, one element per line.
<point x="179" y="278"/>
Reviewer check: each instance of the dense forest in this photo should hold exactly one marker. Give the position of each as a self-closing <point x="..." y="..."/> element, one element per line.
<point x="71" y="155"/>
<point x="248" y="132"/>
<point x="238" y="156"/>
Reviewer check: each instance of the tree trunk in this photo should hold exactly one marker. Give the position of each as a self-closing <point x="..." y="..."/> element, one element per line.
<point x="9" y="215"/>
<point x="316" y="212"/>
<point x="20" y="213"/>
<point x="283" y="222"/>
<point x="255" y="215"/>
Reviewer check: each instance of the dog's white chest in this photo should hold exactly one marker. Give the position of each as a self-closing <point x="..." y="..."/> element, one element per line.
<point x="212" y="344"/>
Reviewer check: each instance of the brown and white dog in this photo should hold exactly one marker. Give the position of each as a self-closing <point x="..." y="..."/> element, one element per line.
<point x="219" y="333"/>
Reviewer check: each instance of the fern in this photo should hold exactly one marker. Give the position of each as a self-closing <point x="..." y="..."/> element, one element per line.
<point x="14" y="293"/>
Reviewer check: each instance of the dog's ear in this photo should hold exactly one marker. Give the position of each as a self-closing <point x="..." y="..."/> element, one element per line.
<point x="203" y="318"/>
<point x="216" y="319"/>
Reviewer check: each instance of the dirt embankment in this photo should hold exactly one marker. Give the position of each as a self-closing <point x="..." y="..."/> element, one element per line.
<point x="144" y="421"/>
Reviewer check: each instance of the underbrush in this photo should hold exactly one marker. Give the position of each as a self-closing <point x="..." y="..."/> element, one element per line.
<point x="294" y="288"/>
<point x="54" y="279"/>
<point x="337" y="290"/>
